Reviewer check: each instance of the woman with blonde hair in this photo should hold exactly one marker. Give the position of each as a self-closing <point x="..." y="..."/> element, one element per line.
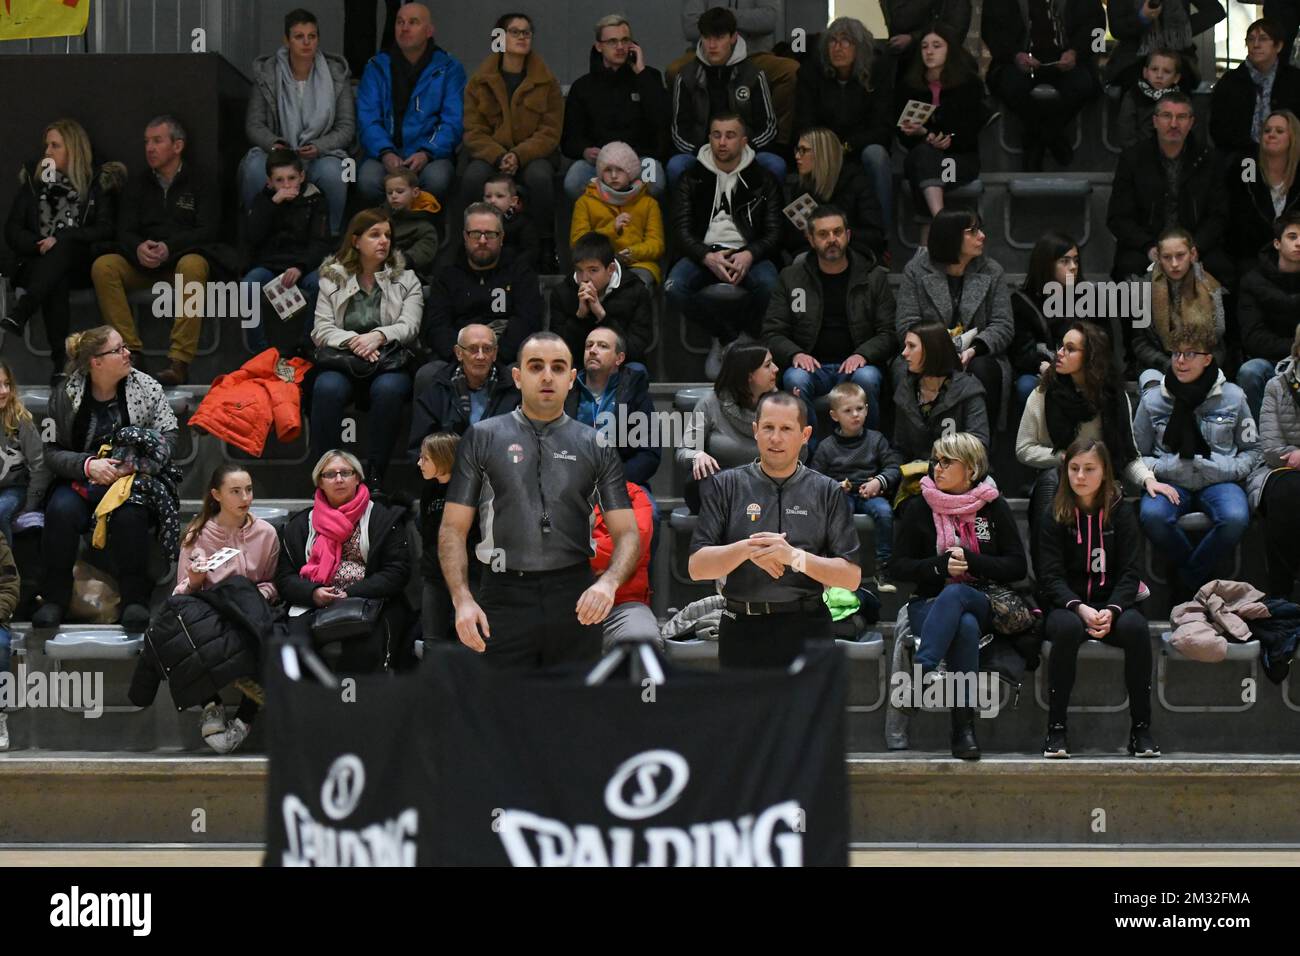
<point x="827" y="179"/>
<point x="956" y="536"/>
<point x="62" y="218"/>
<point x="23" y="475"/>
<point x="1256" y="202"/>
<point x="368" y="311"/>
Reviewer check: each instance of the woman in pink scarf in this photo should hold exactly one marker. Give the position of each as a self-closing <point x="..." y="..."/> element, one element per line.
<point x="348" y="544"/>
<point x="957" y="531"/>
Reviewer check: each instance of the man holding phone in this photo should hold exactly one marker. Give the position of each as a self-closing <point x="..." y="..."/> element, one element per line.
<point x="620" y="100"/>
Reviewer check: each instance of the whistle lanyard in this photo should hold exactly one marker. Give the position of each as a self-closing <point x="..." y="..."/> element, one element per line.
<point x="541" y="485"/>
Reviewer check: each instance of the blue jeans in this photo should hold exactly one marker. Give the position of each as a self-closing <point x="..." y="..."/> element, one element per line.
<point x="950" y="626"/>
<point x="11" y="502"/>
<point x="583" y="172"/>
<point x="688" y="277"/>
<point x="324" y="172"/>
<point x="1227" y="507"/>
<point x="812" y="385"/>
<point x="334" y="392"/>
<point x="1253" y="376"/>
<point x="309" y="284"/>
<point x="882" y="516"/>
<point x="876" y="161"/>
<point x="435" y="178"/>
<point x="1023" y="387"/>
<point x="4" y="649"/>
<point x="678" y="164"/>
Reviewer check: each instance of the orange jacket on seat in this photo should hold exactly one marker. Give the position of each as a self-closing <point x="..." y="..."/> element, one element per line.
<point x="241" y="406"/>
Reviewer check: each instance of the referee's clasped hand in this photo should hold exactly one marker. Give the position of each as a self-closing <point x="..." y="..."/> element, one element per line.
<point x="596" y="603"/>
<point x="771" y="552"/>
<point x="472" y="626"/>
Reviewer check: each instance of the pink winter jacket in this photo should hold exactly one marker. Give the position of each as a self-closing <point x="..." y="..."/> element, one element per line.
<point x="259" y="552"/>
<point x="1219" y="613"/>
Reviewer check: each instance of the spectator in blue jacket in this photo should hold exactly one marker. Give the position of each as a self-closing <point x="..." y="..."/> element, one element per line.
<point x="1196" y="433"/>
<point x="410" y="108"/>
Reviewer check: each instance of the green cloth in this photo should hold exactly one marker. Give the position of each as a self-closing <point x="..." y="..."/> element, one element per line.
<point x="842" y="603"/>
<point x="362" y="313"/>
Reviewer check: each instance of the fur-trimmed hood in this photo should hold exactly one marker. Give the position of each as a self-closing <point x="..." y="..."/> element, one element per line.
<point x="333" y="270"/>
<point x="109" y="177"/>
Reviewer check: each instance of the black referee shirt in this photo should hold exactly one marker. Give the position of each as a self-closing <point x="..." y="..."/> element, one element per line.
<point x="810" y="508"/>
<point x="518" y="472"/>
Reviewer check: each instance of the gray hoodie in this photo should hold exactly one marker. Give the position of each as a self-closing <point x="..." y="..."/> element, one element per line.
<point x="22" y="463"/>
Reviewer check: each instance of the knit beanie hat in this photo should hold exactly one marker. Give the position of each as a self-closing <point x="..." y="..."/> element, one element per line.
<point x="621" y="156"/>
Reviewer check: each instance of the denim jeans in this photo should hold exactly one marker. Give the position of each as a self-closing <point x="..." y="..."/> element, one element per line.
<point x="812" y="385"/>
<point x="583" y="172"/>
<point x="1253" y="377"/>
<point x="4" y="649"/>
<point x="687" y="278"/>
<point x="950" y="626"/>
<point x="882" y="517"/>
<point x="1227" y="507"/>
<point x="309" y="285"/>
<point x="678" y="164"/>
<point x="330" y="397"/>
<point x="435" y="178"/>
<point x="324" y="172"/>
<point x="1023" y="386"/>
<point x="876" y="161"/>
<point x="11" y="502"/>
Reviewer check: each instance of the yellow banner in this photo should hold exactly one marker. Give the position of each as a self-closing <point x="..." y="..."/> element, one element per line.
<point x="28" y="19"/>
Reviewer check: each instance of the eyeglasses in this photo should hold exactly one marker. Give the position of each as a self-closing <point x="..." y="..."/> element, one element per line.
<point x="117" y="351"/>
<point x="479" y="235"/>
<point x="974" y="230"/>
<point x="1186" y="355"/>
<point x="341" y="474"/>
<point x="477" y="349"/>
<point x="943" y="462"/>
<point x="618" y="41"/>
<point x="840" y="39"/>
<point x="802" y="150"/>
<point x="519" y="34"/>
<point x="1174" y="117"/>
<point x="1069" y="349"/>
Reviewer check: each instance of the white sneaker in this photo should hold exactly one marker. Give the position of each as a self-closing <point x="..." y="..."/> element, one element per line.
<point x="713" y="363"/>
<point x="214" y="720"/>
<point x="4" y="731"/>
<point x="228" y="742"/>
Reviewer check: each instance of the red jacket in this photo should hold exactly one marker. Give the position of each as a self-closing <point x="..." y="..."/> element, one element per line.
<point x="637" y="587"/>
<point x="241" y="407"/>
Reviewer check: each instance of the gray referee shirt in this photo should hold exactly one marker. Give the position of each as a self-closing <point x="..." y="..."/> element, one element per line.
<point x="810" y="508"/>
<point x="518" y="473"/>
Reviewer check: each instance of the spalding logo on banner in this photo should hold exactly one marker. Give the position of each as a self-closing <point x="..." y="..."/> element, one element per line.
<point x="312" y="843"/>
<point x="643" y="787"/>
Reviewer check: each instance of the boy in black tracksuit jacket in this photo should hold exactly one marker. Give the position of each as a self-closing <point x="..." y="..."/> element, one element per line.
<point x="612" y="298"/>
<point x="1093" y="561"/>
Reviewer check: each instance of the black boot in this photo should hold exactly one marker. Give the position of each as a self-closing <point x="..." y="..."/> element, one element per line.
<point x="964" y="744"/>
<point x="1141" y="743"/>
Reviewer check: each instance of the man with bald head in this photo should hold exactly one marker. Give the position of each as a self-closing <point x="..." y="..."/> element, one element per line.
<point x="410" y="108"/>
<point x="465" y="392"/>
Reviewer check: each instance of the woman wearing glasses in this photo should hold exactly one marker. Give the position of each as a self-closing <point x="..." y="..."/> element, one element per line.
<point x="514" y="112"/>
<point x="1080" y="396"/>
<point x="957" y="534"/>
<point x="348" y="545"/>
<point x="1053" y="268"/>
<point x="826" y="176"/>
<point x="101" y="394"/>
<point x="369" y="306"/>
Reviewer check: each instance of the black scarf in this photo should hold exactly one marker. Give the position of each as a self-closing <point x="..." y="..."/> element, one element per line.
<point x="1183" y="433"/>
<point x="1066" y="409"/>
<point x="461" y="384"/>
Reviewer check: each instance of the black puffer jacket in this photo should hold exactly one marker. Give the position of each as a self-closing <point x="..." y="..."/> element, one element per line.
<point x="96" y="226"/>
<point x="608" y="105"/>
<point x="1269" y="310"/>
<point x="855" y="194"/>
<point x="756" y="209"/>
<point x="202" y="642"/>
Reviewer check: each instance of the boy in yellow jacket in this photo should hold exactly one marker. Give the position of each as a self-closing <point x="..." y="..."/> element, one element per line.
<point x="617" y="205"/>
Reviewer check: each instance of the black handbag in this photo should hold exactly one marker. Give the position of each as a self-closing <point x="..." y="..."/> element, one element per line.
<point x="393" y="357"/>
<point x="346" y="619"/>
<point x="1010" y="612"/>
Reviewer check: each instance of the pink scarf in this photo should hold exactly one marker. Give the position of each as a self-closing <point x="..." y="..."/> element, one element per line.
<point x="333" y="528"/>
<point x="954" y="515"/>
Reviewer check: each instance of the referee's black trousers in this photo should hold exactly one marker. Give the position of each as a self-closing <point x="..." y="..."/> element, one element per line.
<point x="533" y="618"/>
<point x="769" y="640"/>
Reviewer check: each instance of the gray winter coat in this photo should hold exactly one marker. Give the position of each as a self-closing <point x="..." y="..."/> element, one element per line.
<point x="1279" y="428"/>
<point x="959" y="408"/>
<point x="22" y="462"/>
<point x="1226" y="424"/>
<point x="146" y="406"/>
<point x="262" y="121"/>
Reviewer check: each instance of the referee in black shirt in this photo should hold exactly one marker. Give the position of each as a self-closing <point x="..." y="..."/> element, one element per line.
<point x="534" y="477"/>
<point x="781" y="534"/>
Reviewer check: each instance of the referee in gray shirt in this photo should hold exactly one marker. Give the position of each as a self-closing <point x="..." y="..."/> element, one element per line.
<point x="781" y="534"/>
<point x="534" y="477"/>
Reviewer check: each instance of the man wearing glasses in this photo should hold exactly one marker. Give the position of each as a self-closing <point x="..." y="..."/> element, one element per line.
<point x="463" y="393"/>
<point x="485" y="284"/>
<point x="1196" y="433"/>
<point x="1171" y="180"/>
<point x="620" y="100"/>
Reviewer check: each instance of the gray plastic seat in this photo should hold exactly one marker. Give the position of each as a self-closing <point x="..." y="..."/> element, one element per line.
<point x="1237" y="651"/>
<point x="693" y="649"/>
<point x="1054" y="189"/>
<point x="268" y="512"/>
<point x="86" y="645"/>
<point x="682" y="520"/>
<point x="685" y="399"/>
<point x="870" y="646"/>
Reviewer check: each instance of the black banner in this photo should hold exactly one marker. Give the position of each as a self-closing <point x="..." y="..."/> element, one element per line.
<point x="462" y="765"/>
